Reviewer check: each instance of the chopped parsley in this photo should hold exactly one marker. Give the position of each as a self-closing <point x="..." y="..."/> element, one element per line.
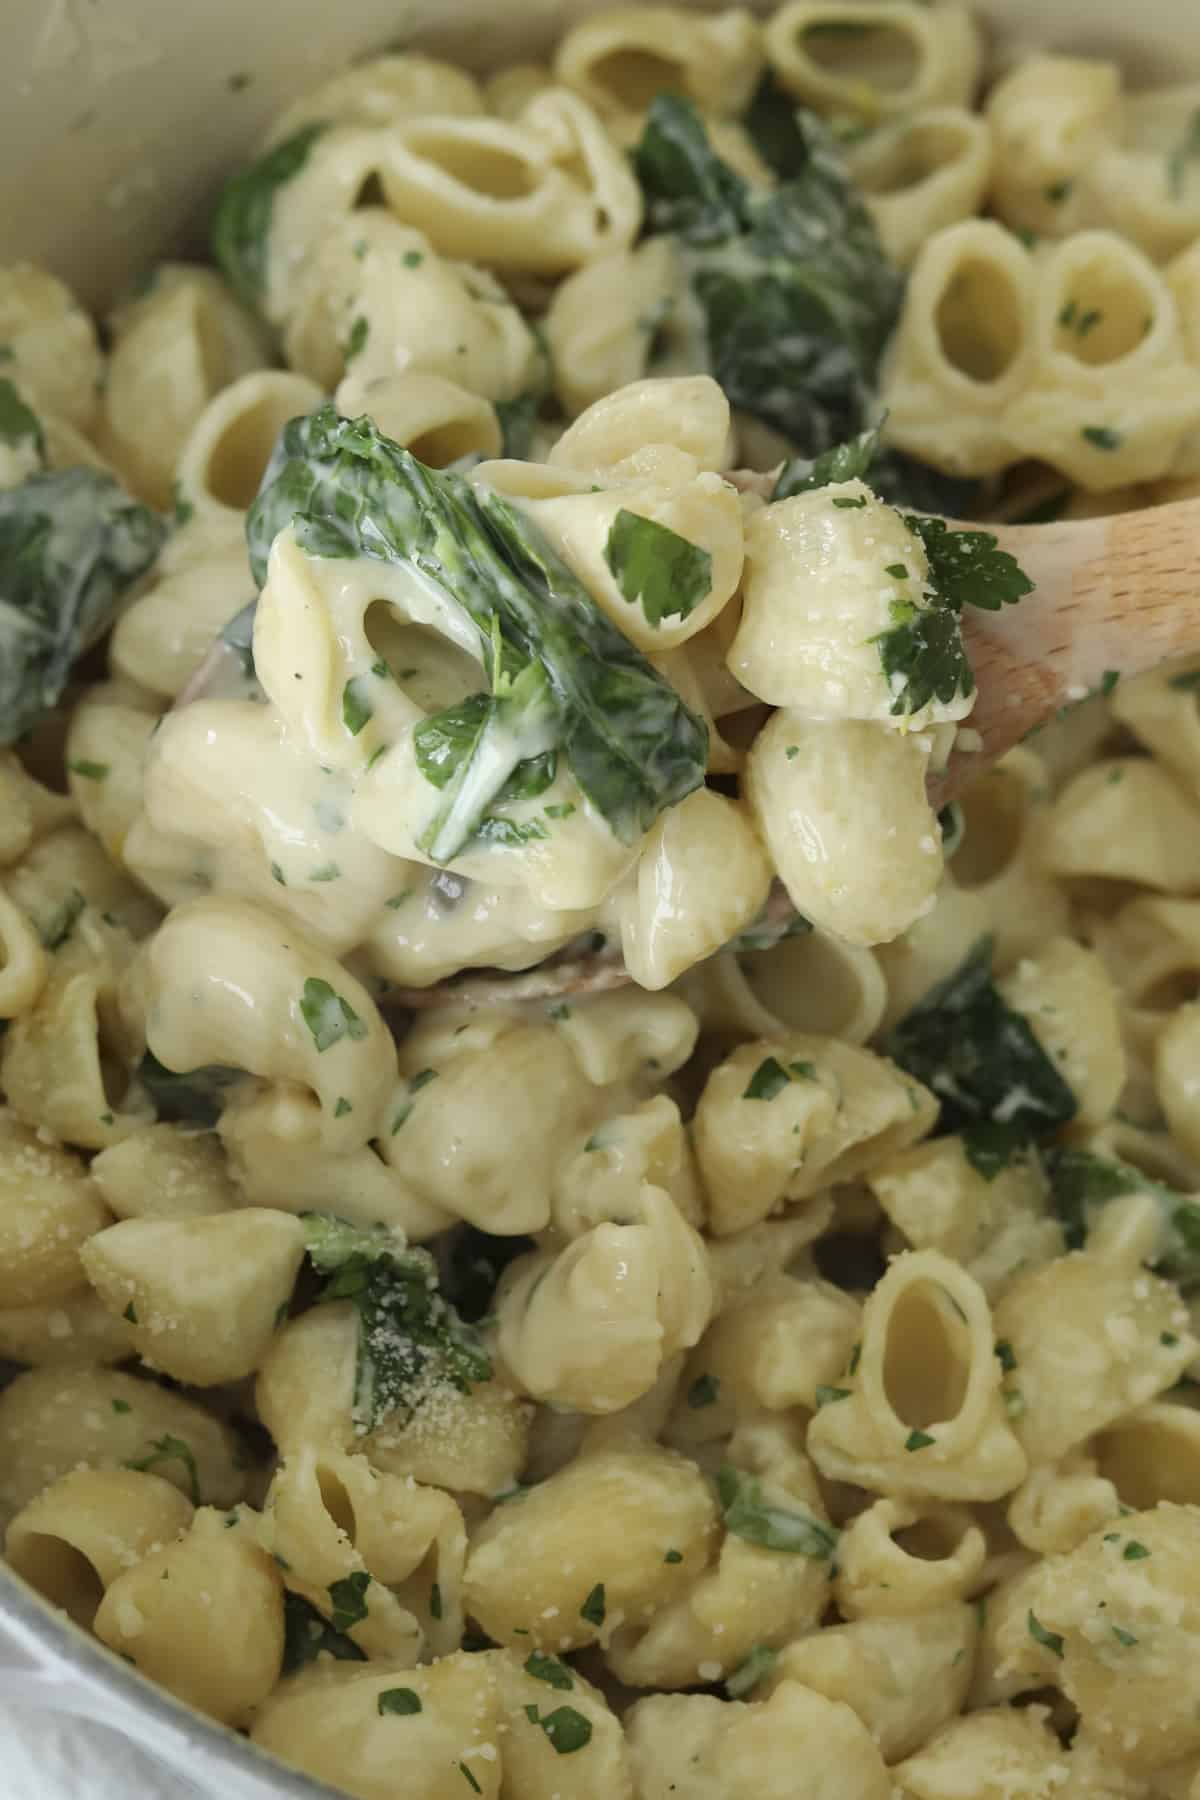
<point x="1102" y="437"/>
<point x="771" y="1077"/>
<point x="343" y="1107"/>
<point x="900" y="571"/>
<point x="549" y="1669"/>
<point x="1006" y="1355"/>
<point x="1058" y="191"/>
<point x="357" y="341"/>
<point x="169" y="1449"/>
<point x="703" y="1391"/>
<point x="327" y="872"/>
<point x="307" y="1635"/>
<point x="329" y="1016"/>
<point x="469" y="1778"/>
<point x="829" y="1396"/>
<point x="410" y="1338"/>
<point x="1049" y="1640"/>
<point x="1134" y="1552"/>
<point x="121" y="1406"/>
<point x="656" y="568"/>
<point x="673" y="1556"/>
<point x="566" y="1728"/>
<point x="356" y="709"/>
<point x="91" y="771"/>
<point x="435" y="1601"/>
<point x="416" y="1082"/>
<point x="918" y="1440"/>
<point x="401" y="1701"/>
<point x="61" y="923"/>
<point x="130" y="1314"/>
<point x="413" y="259"/>
<point x="751" y="1516"/>
<point x="1126" y="1639"/>
<point x="593" y="1608"/>
<point x="349" y="1600"/>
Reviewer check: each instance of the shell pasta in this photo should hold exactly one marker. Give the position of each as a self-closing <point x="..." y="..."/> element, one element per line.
<point x="566" y="1229"/>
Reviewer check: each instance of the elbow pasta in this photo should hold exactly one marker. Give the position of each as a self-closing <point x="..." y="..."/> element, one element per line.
<point x="589" y="1315"/>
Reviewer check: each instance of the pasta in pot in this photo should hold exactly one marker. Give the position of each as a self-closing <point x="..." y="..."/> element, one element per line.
<point x="563" y="1230"/>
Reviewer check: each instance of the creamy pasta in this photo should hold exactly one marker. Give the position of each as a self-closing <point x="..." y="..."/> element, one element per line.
<point x="563" y="1231"/>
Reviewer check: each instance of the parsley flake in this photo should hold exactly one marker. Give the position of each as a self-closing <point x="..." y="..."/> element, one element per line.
<point x="171" y="1449"/>
<point x="918" y="1440"/>
<point x="356" y="708"/>
<point x="91" y="771"/>
<point x="1049" y="1640"/>
<point x="329" y="1017"/>
<point x="1134" y="1552"/>
<point x="401" y="1701"/>
<point x="349" y="1600"/>
<point x="1103" y="437"/>
<point x="750" y="1671"/>
<point x="654" y="566"/>
<point x="416" y="1082"/>
<point x="829" y="1396"/>
<point x="593" y="1608"/>
<point x="549" y="1669"/>
<point x="751" y="1516"/>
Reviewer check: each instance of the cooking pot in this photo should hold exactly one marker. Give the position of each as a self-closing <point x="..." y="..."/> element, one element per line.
<point x="119" y="120"/>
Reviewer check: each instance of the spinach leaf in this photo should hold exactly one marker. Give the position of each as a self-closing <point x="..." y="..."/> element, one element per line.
<point x="410" y="1339"/>
<point x="980" y="1057"/>
<point x="793" y="286"/>
<point x="652" y="564"/>
<point x="562" y="676"/>
<point x="195" y="1097"/>
<point x="518" y="417"/>
<point x="71" y="543"/>
<point x="306" y="1636"/>
<point x="1082" y="1183"/>
<point x="241" y="233"/>
<point x="750" y="1515"/>
<point x="770" y="123"/>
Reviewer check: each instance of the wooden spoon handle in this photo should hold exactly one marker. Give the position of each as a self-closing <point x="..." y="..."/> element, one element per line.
<point x="1113" y="597"/>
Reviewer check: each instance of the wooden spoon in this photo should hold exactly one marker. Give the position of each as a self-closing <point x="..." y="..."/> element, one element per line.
<point x="1112" y="597"/>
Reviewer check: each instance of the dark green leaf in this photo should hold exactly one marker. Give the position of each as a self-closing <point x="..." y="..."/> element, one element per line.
<point x="1134" y="1552"/>
<point x="918" y="1440"/>
<point x="90" y="771"/>
<point x="770" y="123"/>
<point x="1005" y="1355"/>
<point x="796" y="295"/>
<point x="1050" y="1640"/>
<point x="593" y="1608"/>
<point x="328" y="1015"/>
<point x="562" y="675"/>
<point x="850" y="461"/>
<point x="829" y="1396"/>
<point x="652" y="565"/>
<point x="923" y="657"/>
<point x="750" y="1671"/>
<point x="469" y="1778"/>
<point x="306" y="1636"/>
<point x="241" y="234"/>
<point x="1102" y="437"/>
<point x="980" y="1057"/>
<point x="968" y="568"/>
<point x="1082" y="1184"/>
<point x="771" y="1077"/>
<point x="411" y="1341"/>
<point x="356" y="708"/>
<point x="567" y="1729"/>
<point x="349" y="1600"/>
<point x="193" y="1097"/>
<point x="749" y="1515"/>
<point x="688" y="189"/>
<point x="356" y="343"/>
<point x="18" y="423"/>
<point x="991" y="1148"/>
<point x="517" y="420"/>
<point x="71" y="545"/>
<point x="404" y="1702"/>
<point x="549" y="1669"/>
<point x="170" y="1449"/>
